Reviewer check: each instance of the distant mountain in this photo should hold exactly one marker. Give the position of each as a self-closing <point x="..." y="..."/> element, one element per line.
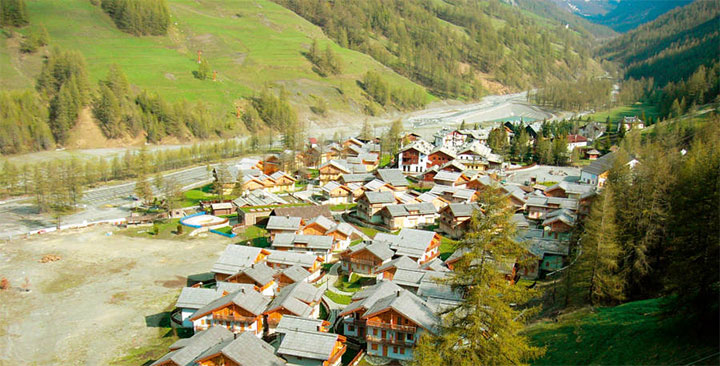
<point x="621" y="15"/>
<point x="555" y="10"/>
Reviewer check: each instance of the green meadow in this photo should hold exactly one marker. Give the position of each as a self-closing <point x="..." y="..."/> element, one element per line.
<point x="249" y="43"/>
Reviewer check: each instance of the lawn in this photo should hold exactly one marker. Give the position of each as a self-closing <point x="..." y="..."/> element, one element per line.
<point x="636" y="333"/>
<point x="337" y="298"/>
<point x="447" y="247"/>
<point x="343" y="207"/>
<point x="354" y="284"/>
<point x="167" y="229"/>
<point x="256" y="236"/>
<point x="618" y="113"/>
<point x="249" y="42"/>
<point x="194" y="196"/>
<point x="370" y="232"/>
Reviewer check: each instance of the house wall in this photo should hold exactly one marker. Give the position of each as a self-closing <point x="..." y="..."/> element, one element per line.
<point x="220" y="360"/>
<point x="301" y="361"/>
<point x="378" y="338"/>
<point x="412" y="161"/>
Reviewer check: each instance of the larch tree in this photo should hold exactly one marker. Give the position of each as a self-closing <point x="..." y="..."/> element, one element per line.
<point x="484" y="329"/>
<point x="596" y="273"/>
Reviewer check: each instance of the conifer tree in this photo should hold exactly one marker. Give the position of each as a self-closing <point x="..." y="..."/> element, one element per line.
<point x="13" y="13"/>
<point x="484" y="329"/>
<point x="596" y="272"/>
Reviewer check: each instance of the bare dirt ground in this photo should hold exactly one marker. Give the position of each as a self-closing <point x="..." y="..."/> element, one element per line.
<point x="99" y="301"/>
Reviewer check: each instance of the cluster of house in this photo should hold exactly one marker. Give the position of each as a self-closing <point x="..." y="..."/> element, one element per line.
<point x="264" y="305"/>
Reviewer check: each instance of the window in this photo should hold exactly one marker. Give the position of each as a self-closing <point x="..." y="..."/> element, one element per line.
<point x="409" y="336"/>
<point x="373" y="346"/>
<point x="402" y="350"/>
<point x="395" y="349"/>
<point x="374" y="331"/>
<point x="351" y="328"/>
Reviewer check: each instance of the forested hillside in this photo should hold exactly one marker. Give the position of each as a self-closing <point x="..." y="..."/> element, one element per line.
<point x="455" y="48"/>
<point x="138" y="87"/>
<point x="629" y="14"/>
<point x="672" y="47"/>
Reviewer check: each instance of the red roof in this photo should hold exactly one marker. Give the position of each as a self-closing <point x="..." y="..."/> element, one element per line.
<point x="312" y="140"/>
<point x="576" y="138"/>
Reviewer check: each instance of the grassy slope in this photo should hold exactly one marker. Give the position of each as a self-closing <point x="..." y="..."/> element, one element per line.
<point x="249" y="43"/>
<point x="633" y="333"/>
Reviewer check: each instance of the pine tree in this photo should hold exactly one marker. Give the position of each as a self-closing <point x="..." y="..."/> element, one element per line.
<point x="204" y="70"/>
<point x="560" y="150"/>
<point x="143" y="188"/>
<point x="485" y="328"/>
<point x="13" y="13"/>
<point x="367" y="131"/>
<point x="596" y="272"/>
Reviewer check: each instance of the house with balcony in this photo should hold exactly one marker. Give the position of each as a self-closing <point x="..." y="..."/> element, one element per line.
<point x="363" y="258"/>
<point x="394" y="177"/>
<point x="387" y="271"/>
<point x="236" y="258"/>
<point x="299" y="299"/>
<point x="239" y="311"/>
<point x="244" y="350"/>
<point x="568" y="190"/>
<point x="259" y="275"/>
<point x="280" y="260"/>
<point x="283" y="225"/>
<point x="341" y="233"/>
<point x="440" y="156"/>
<point x="453" y="179"/>
<point x="413" y="158"/>
<point x="282" y="182"/>
<point x="413" y="215"/>
<point x="311" y="348"/>
<point x="420" y="245"/>
<point x="187" y="351"/>
<point x="320" y="246"/>
<point x="390" y="319"/>
<point x="291" y="275"/>
<point x="455" y="218"/>
<point x="537" y="206"/>
<point x="335" y="193"/>
<point x="370" y="203"/>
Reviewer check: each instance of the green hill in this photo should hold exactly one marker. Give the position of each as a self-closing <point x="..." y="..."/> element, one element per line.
<point x="635" y="333"/>
<point x="249" y="43"/>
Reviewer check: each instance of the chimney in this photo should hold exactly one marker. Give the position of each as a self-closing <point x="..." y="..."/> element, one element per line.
<point x="398" y="292"/>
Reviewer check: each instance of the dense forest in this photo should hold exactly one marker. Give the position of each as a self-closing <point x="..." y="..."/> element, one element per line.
<point x="672" y="47"/>
<point x="13" y="13"/>
<point x="139" y="17"/>
<point x="449" y="47"/>
<point x="628" y="15"/>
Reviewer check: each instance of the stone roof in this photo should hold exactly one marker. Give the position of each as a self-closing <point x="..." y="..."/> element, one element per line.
<point x="258" y="197"/>
<point x="379" y="197"/>
<point x="296" y="297"/>
<point x="283" y="223"/>
<point x="250" y="300"/>
<point x="246" y="350"/>
<point x="410" y="242"/>
<point x="601" y="165"/>
<point x="394" y="177"/>
<point x="400" y="262"/>
<point x="311" y="242"/>
<point x="260" y="273"/>
<point x="462" y="209"/>
<point x="379" y="249"/>
<point x="447" y="176"/>
<point x="296" y="273"/>
<point x="323" y="222"/>
<point x="307" y="344"/>
<point x="196" y="297"/>
<point x="374" y="185"/>
<point x="571" y="188"/>
<point x="304" y="212"/>
<point x="291" y="258"/>
<point x="356" y="178"/>
<point x="234" y="258"/>
<point x="410" y="306"/>
<point x="290" y="322"/>
<point x="410" y="209"/>
<point x="195" y="346"/>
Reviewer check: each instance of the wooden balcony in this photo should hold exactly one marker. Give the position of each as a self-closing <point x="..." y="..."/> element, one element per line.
<point x="393" y="341"/>
<point x="334" y="358"/>
<point x="361" y="261"/>
<point x="234" y="318"/>
<point x="393" y="326"/>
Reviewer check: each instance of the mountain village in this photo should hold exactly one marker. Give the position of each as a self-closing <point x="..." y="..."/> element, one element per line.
<point x="350" y="269"/>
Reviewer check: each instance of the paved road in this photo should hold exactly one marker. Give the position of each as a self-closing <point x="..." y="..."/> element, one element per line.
<point x="19" y="216"/>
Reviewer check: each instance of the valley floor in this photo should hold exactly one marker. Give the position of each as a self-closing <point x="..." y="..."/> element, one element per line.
<point x="106" y="296"/>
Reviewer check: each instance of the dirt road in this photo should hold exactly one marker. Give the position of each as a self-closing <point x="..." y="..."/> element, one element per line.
<point x="102" y="297"/>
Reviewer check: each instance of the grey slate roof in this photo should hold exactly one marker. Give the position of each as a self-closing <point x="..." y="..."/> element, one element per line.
<point x="304" y="212"/>
<point x="463" y="209"/>
<point x="290" y="322"/>
<point x="312" y="345"/>
<point x="223" y="286"/>
<point x="520" y="221"/>
<point x="291" y="258"/>
<point x="601" y="165"/>
<point x="296" y="273"/>
<point x="323" y="221"/>
<point x="410" y="209"/>
<point x="539" y="201"/>
<point x="380" y="249"/>
<point x="258" y="197"/>
<point x="401" y="262"/>
<point x="283" y="223"/>
<point x="374" y="185"/>
<point x="393" y="176"/>
<point x="436" y="264"/>
<point x="410" y="306"/>
<point x="356" y="178"/>
<point x="247" y="350"/>
<point x="446" y="176"/>
<point x="408" y="277"/>
<point x="380" y="197"/>
<point x="235" y="258"/>
<point x="250" y="300"/>
<point x="410" y="242"/>
<point x="296" y="298"/>
<point x="572" y="188"/>
<point x="311" y="242"/>
<point x="196" y="297"/>
<point x="260" y="273"/>
<point x="196" y="345"/>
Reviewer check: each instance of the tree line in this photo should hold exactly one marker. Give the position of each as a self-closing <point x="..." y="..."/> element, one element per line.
<point x="139" y="17"/>
<point x="382" y="93"/>
<point x="13" y="13"/>
<point x="577" y="95"/>
<point x="418" y="42"/>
